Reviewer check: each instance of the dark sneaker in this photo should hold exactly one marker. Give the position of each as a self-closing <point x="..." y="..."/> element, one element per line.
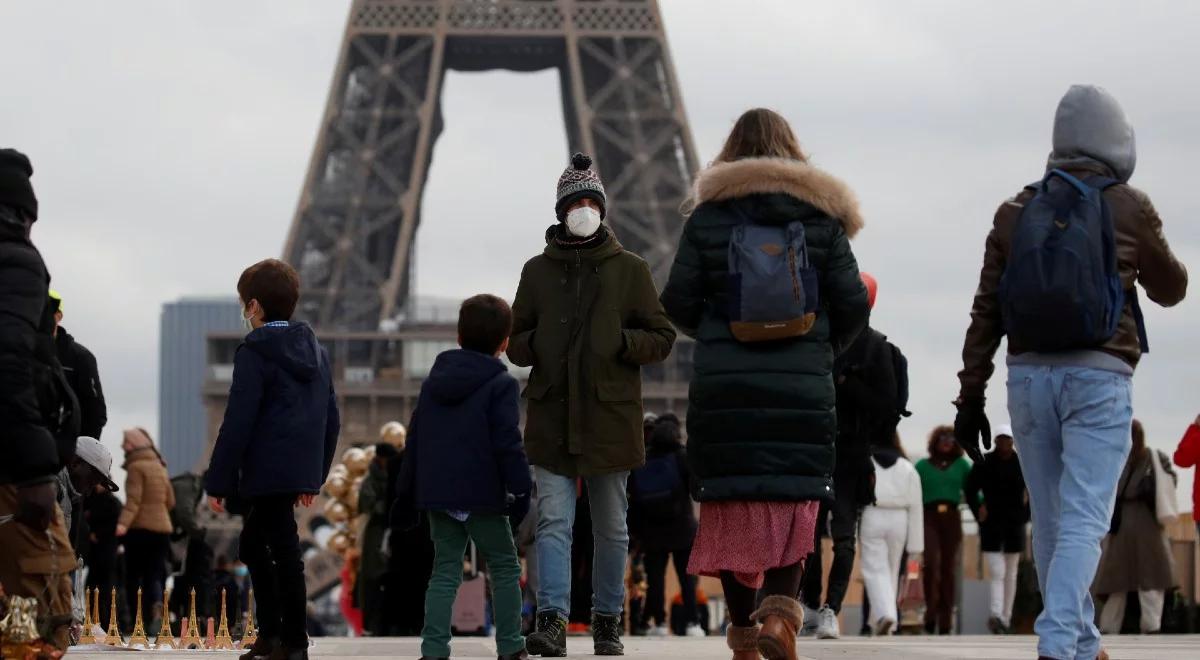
<point x="996" y="626"/>
<point x="519" y="655"/>
<point x="549" y="639"/>
<point x="263" y="646"/>
<point x="606" y="634"/>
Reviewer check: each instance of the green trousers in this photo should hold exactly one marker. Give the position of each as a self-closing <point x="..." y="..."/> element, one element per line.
<point x="493" y="538"/>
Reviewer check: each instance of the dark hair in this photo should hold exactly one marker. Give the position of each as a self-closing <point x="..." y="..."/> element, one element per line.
<point x="936" y="435"/>
<point x="276" y="287"/>
<point x="484" y="322"/>
<point x="1138" y="433"/>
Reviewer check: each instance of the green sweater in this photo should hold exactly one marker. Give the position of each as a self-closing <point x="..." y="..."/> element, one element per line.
<point x="943" y="485"/>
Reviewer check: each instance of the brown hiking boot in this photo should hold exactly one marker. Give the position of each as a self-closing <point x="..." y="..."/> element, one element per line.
<point x="781" y="618"/>
<point x="743" y="642"/>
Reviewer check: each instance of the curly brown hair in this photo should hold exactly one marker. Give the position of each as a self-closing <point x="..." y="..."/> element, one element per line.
<point x="936" y="434"/>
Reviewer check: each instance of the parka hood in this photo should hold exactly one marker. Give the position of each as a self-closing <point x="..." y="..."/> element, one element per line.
<point x="1089" y="127"/>
<point x="759" y="176"/>
<point x="294" y="349"/>
<point x="459" y="373"/>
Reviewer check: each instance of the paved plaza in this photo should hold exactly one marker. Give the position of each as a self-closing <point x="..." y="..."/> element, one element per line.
<point x="1173" y="647"/>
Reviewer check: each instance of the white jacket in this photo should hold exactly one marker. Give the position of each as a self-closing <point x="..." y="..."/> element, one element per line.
<point x="899" y="487"/>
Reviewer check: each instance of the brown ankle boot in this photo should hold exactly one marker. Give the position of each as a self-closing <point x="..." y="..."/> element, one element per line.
<point x="743" y="642"/>
<point x="781" y="617"/>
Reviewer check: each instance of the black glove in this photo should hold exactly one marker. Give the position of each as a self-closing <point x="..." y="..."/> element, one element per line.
<point x="518" y="508"/>
<point x="971" y="427"/>
<point x="35" y="504"/>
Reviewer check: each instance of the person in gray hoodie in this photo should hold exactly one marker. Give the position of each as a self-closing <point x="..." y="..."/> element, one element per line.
<point x="1071" y="410"/>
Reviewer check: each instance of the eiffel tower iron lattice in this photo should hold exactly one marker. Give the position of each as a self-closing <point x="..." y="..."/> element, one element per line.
<point x="249" y="633"/>
<point x="223" y="640"/>
<point x="87" y="635"/>
<point x="353" y="232"/>
<point x="189" y="635"/>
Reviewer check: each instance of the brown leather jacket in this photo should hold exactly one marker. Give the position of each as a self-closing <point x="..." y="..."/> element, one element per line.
<point x="1143" y="256"/>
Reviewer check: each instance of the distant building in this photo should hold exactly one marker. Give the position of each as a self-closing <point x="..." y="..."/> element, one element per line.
<point x="182" y="372"/>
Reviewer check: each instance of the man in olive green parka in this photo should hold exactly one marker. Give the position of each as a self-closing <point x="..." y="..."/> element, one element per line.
<point x="586" y="318"/>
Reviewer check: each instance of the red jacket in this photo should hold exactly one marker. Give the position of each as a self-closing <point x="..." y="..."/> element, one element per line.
<point x="1188" y="455"/>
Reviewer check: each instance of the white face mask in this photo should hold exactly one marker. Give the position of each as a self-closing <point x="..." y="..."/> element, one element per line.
<point x="247" y="321"/>
<point x="583" y="221"/>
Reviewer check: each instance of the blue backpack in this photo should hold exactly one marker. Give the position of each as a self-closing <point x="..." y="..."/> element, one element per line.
<point x="1061" y="289"/>
<point x="772" y="284"/>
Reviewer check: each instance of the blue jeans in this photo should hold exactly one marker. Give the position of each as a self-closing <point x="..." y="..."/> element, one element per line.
<point x="1072" y="431"/>
<point x="556" y="497"/>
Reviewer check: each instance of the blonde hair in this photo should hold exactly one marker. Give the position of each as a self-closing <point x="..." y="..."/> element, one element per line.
<point x="761" y="133"/>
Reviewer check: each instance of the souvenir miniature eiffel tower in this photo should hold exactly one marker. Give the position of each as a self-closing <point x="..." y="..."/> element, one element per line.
<point x="87" y="636"/>
<point x="113" y="638"/>
<point x="138" y="636"/>
<point x="165" y="639"/>
<point x="97" y="629"/>
<point x="189" y="636"/>
<point x="223" y="640"/>
<point x="250" y="633"/>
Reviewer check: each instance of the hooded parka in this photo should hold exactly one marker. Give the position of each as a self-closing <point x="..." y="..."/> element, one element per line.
<point x="761" y="418"/>
<point x="586" y="319"/>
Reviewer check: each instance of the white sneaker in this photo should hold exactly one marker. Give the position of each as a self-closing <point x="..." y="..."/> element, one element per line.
<point x="694" y="630"/>
<point x="809" y="628"/>
<point x="659" y="631"/>
<point x="827" y="624"/>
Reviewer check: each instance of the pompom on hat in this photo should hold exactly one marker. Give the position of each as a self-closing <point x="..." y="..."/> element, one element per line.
<point x="577" y="182"/>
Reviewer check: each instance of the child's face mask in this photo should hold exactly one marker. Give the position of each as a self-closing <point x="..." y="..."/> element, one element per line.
<point x="583" y="221"/>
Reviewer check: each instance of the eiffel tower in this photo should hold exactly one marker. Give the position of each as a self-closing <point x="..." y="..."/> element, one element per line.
<point x="353" y="232"/>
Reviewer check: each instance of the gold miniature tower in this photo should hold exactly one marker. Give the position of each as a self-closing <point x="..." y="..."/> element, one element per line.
<point x="250" y="633"/>
<point x="223" y="640"/>
<point x="165" y="639"/>
<point x="88" y="635"/>
<point x="113" y="638"/>
<point x="190" y="635"/>
<point x="99" y="638"/>
<point x="138" y="636"/>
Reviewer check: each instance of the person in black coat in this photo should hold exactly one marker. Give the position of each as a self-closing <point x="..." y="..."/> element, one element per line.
<point x="79" y="366"/>
<point x="662" y="522"/>
<point x="869" y="407"/>
<point x="39" y="417"/>
<point x="274" y="449"/>
<point x="1002" y="512"/>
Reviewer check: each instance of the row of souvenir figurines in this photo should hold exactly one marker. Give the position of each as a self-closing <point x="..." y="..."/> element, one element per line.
<point x="217" y="637"/>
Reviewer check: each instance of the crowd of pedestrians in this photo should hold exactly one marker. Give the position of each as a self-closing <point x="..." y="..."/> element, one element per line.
<point x="791" y="433"/>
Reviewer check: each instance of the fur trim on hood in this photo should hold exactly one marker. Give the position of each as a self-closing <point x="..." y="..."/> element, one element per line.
<point x="751" y="176"/>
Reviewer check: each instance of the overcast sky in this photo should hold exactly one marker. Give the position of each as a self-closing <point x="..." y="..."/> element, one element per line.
<point x="170" y="141"/>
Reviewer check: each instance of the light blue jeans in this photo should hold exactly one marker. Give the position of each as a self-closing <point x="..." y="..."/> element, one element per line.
<point x="556" y="497"/>
<point x="1072" y="431"/>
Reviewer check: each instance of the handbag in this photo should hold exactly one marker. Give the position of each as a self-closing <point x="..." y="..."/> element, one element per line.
<point x="912" y="590"/>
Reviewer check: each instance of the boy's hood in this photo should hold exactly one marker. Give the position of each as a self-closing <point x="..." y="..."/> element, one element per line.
<point x="294" y="349"/>
<point x="459" y="373"/>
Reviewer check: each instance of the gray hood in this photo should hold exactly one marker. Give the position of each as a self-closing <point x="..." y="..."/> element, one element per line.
<point x="1091" y="127"/>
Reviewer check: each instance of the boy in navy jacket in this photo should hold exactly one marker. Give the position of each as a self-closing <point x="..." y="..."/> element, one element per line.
<point x="467" y="469"/>
<point x="274" y="450"/>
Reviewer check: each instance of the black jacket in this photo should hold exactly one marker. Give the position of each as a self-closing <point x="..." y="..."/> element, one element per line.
<point x="79" y="366"/>
<point x="761" y="419"/>
<point x="464" y="449"/>
<point x="281" y="422"/>
<point x="1003" y="488"/>
<point x="867" y="400"/>
<point x="38" y="414"/>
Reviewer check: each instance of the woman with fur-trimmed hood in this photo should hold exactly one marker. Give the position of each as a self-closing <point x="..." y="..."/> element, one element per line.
<point x="761" y="421"/>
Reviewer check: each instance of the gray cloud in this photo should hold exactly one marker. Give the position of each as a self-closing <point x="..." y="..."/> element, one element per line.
<point x="171" y="140"/>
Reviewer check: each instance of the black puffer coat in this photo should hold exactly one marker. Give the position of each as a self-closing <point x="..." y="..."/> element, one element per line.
<point x="761" y="418"/>
<point x="39" y="418"/>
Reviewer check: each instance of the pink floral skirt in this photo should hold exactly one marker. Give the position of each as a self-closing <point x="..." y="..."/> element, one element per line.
<point x="750" y="538"/>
